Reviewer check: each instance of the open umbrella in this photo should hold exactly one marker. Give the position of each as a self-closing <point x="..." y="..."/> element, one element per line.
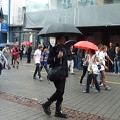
<point x="2" y="44"/>
<point x="10" y="43"/>
<point x="56" y="29"/>
<point x="69" y="43"/>
<point x="26" y="43"/>
<point x="86" y="45"/>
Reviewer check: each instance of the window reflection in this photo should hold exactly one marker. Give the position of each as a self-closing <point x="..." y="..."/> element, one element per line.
<point x="32" y="5"/>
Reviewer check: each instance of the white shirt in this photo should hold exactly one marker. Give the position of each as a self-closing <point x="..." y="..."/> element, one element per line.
<point x="102" y="58"/>
<point x="90" y="62"/>
<point x="37" y="55"/>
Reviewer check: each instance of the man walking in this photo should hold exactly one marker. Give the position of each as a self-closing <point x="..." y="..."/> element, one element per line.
<point x="37" y="56"/>
<point x="57" y="57"/>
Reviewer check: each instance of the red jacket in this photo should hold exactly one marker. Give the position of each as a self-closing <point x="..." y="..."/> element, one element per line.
<point x="15" y="53"/>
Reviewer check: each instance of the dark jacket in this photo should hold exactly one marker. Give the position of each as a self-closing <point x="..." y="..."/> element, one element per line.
<point x="117" y="56"/>
<point x="111" y="53"/>
<point x="70" y="55"/>
<point x="54" y="61"/>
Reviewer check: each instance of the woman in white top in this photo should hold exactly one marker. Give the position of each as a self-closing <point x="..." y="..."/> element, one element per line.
<point x="102" y="59"/>
<point x="91" y="76"/>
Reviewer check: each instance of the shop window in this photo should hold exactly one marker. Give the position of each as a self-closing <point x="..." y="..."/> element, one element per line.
<point x="86" y="2"/>
<point x="4" y="37"/>
<point x="64" y="4"/>
<point x="108" y="1"/>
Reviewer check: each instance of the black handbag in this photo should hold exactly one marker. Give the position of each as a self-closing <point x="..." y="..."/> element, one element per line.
<point x="54" y="73"/>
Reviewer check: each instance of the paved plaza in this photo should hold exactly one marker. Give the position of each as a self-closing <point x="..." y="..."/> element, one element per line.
<point x="21" y="97"/>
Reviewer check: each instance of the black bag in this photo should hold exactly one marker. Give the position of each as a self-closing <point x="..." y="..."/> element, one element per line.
<point x="99" y="66"/>
<point x="54" y="73"/>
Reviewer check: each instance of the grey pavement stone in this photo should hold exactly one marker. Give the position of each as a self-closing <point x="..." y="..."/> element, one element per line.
<point x="19" y="82"/>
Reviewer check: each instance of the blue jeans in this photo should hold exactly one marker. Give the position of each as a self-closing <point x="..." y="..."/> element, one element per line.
<point x="117" y="66"/>
<point x="89" y="79"/>
<point x="79" y="62"/>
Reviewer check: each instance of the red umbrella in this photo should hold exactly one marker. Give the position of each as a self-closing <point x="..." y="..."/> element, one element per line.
<point x="15" y="45"/>
<point x="86" y="45"/>
<point x="26" y="43"/>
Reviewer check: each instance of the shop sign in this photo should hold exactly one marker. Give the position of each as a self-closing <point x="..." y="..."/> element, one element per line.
<point x="27" y="29"/>
<point x="85" y="0"/>
<point x="4" y="27"/>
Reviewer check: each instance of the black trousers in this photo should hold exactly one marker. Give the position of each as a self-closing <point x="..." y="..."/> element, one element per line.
<point x="37" y="69"/>
<point x="58" y="95"/>
<point x="84" y="72"/>
<point x="28" y="58"/>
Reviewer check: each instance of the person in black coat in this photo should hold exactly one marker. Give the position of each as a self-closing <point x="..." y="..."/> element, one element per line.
<point x="57" y="56"/>
<point x="29" y="54"/>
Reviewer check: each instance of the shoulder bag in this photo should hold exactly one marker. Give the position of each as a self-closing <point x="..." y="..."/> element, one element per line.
<point x="54" y="73"/>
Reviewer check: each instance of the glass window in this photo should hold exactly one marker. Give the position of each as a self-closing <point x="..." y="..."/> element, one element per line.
<point x="35" y="5"/>
<point x="64" y="4"/>
<point x="86" y="2"/>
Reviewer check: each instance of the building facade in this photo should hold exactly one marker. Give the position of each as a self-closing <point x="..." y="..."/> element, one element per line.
<point x="3" y="24"/>
<point x="98" y="20"/>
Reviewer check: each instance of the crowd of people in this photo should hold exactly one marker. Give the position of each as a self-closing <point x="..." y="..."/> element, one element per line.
<point x="12" y="56"/>
<point x="105" y="58"/>
<point x="91" y="62"/>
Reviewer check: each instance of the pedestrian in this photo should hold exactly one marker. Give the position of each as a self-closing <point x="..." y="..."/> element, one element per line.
<point x="57" y="57"/>
<point x="7" y="54"/>
<point x="102" y="59"/>
<point x="15" y="56"/>
<point x="49" y="46"/>
<point x="80" y="55"/>
<point x="102" y="54"/>
<point x="117" y="60"/>
<point x="111" y="54"/>
<point x="91" y="76"/>
<point x="28" y="52"/>
<point x="2" y="58"/>
<point x="70" y="59"/>
<point x="44" y="57"/>
<point x="21" y="49"/>
<point x="85" y="65"/>
<point x="37" y="56"/>
<point x="75" y="58"/>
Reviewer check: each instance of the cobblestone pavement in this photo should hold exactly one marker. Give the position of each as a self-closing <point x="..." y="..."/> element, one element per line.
<point x="21" y="97"/>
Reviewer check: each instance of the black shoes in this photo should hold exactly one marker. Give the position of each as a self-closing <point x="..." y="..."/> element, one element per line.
<point x="60" y="114"/>
<point x="46" y="109"/>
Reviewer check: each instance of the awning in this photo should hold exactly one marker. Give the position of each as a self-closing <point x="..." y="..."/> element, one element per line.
<point x="98" y="15"/>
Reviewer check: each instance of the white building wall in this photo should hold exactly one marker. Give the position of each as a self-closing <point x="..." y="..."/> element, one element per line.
<point x="16" y="12"/>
